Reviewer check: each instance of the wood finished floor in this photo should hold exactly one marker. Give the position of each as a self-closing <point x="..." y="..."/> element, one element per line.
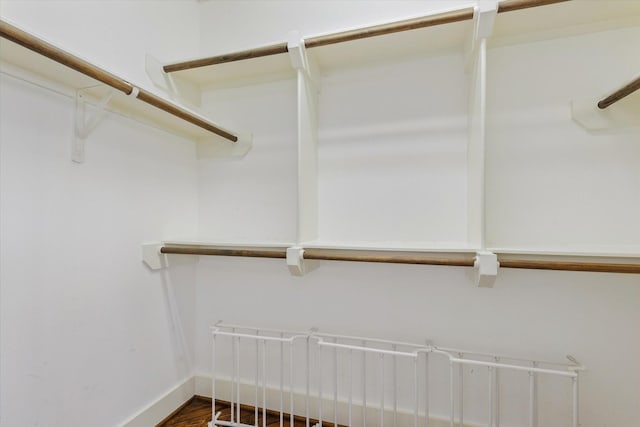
<point x="197" y="413"/>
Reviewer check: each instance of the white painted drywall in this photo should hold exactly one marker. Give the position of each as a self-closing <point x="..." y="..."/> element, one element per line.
<point x="90" y="336"/>
<point x="396" y="163"/>
<point x="550" y="184"/>
<point x="116" y="34"/>
<point x="252" y="199"/>
<point x="82" y="319"/>
<point x="534" y="314"/>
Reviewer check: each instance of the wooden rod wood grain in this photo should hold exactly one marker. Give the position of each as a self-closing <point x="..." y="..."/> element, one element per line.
<point x="511" y="5"/>
<point x="394" y="27"/>
<point x="56" y="54"/>
<point x="185" y="115"/>
<point x="616" y="96"/>
<point x="371" y="256"/>
<point x="48" y="50"/>
<point x="571" y="266"/>
<point x="228" y="57"/>
<point x="255" y="253"/>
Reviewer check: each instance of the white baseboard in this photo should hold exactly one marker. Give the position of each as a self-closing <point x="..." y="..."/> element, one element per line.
<point x="165" y="405"/>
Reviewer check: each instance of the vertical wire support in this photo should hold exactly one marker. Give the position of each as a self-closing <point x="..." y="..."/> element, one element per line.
<point x="213" y="379"/>
<point x="364" y="385"/>
<point x="415" y="393"/>
<point x="451" y="395"/>
<point x="381" y="390"/>
<point x="426" y="389"/>
<point x="460" y="393"/>
<point x="255" y="421"/>
<point x="496" y="374"/>
<point x="308" y="357"/>
<point x="264" y="383"/>
<point x="576" y="414"/>
<point x="491" y="397"/>
<point x="350" y="385"/>
<point x="291" y="387"/>
<point x="335" y="384"/>
<point x="233" y="376"/>
<point x="281" y="380"/>
<point x="320" y="385"/>
<point x="395" y="387"/>
<point x="238" y="385"/>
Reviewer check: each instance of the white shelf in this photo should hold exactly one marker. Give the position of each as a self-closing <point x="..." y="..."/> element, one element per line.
<point x="520" y="26"/>
<point x="597" y="252"/>
<point x="28" y="65"/>
<point x="422" y="42"/>
<point x="435" y="247"/>
<point x="563" y="19"/>
<point x="236" y="244"/>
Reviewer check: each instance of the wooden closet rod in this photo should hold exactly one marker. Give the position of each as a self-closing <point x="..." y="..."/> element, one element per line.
<point x="375" y="256"/>
<point x="56" y="54"/>
<point x="345" y="36"/>
<point x="616" y="96"/>
<point x="424" y="258"/>
<point x="246" y="252"/>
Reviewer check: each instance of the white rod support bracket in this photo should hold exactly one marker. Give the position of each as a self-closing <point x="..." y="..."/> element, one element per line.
<point x="484" y="16"/>
<point x="297" y="51"/>
<point x="85" y="123"/>
<point x="296" y="263"/>
<point x="300" y="60"/>
<point x="217" y="148"/>
<point x="178" y="89"/>
<point x="152" y="256"/>
<point x="486" y="265"/>
<point x="623" y="116"/>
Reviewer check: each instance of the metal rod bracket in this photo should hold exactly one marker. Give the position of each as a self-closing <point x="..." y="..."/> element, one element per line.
<point x="620" y="115"/>
<point x="486" y="265"/>
<point x="484" y="14"/>
<point x="177" y="88"/>
<point x="152" y="256"/>
<point x="85" y="121"/>
<point x="484" y="17"/>
<point x="300" y="60"/>
<point x="296" y="263"/>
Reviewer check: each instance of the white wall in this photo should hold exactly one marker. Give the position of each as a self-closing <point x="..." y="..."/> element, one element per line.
<point x="115" y="34"/>
<point x="99" y="329"/>
<point x="90" y="336"/>
<point x="534" y="314"/>
<point x="550" y="184"/>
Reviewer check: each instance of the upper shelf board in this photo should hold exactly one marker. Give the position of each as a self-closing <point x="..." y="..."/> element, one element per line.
<point x="562" y="20"/>
<point x="422" y="42"/>
<point x="29" y="65"/>
<point x="520" y="26"/>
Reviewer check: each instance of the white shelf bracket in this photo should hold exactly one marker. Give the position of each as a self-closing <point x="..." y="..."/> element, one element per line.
<point x="182" y="91"/>
<point x="486" y="265"/>
<point x="177" y="88"/>
<point x="216" y="147"/>
<point x="484" y="16"/>
<point x="152" y="256"/>
<point x="299" y="58"/>
<point x="296" y="263"/>
<point x="622" y="116"/>
<point x="86" y="122"/>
